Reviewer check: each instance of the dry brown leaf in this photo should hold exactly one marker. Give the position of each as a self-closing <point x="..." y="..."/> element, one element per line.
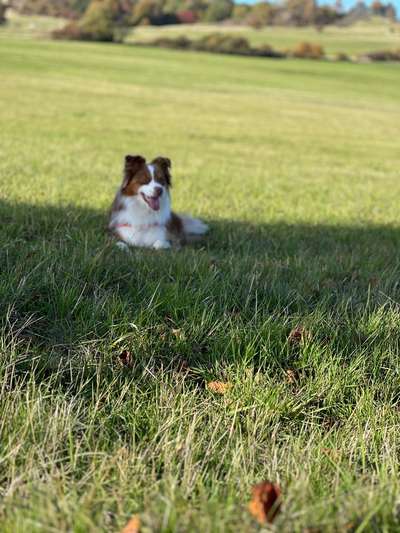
<point x="292" y="376"/>
<point x="219" y="387"/>
<point x="265" y="502"/>
<point x="298" y="335"/>
<point x="125" y="358"/>
<point x="332" y="454"/>
<point x="133" y="526"/>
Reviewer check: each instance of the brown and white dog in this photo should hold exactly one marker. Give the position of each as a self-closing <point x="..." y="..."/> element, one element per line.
<point x="141" y="213"/>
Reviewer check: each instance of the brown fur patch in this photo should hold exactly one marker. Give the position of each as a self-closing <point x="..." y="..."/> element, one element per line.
<point x="175" y="230"/>
<point x="162" y="174"/>
<point x="136" y="174"/>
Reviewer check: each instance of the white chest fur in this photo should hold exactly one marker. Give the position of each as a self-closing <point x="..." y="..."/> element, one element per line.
<point x="139" y="225"/>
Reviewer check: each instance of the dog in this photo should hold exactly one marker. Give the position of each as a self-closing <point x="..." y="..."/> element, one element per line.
<point x="141" y="213"/>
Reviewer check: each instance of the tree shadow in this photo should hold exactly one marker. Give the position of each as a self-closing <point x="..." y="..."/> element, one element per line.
<point x="66" y="288"/>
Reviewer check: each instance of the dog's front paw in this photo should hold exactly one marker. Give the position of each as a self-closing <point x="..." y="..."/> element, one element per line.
<point x="122" y="246"/>
<point x="161" y="245"/>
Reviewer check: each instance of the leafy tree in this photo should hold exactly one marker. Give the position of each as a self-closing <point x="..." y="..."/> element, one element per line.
<point x="262" y="14"/>
<point x="378" y="8"/>
<point x="80" y="6"/>
<point x="240" y="12"/>
<point x="199" y="7"/>
<point x="146" y="9"/>
<point x="219" y="10"/>
<point x="391" y="12"/>
<point x="101" y="18"/>
<point x="302" y="12"/>
<point x="325" y="15"/>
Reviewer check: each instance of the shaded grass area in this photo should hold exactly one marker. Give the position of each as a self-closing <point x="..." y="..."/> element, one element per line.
<point x="294" y="168"/>
<point x="151" y="437"/>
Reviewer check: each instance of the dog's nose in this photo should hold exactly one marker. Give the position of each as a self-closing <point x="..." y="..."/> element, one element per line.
<point x="157" y="192"/>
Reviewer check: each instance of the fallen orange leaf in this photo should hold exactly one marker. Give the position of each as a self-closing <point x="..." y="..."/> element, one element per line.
<point x="133" y="526"/>
<point x="125" y="358"/>
<point x="265" y="503"/>
<point x="298" y="335"/>
<point x="219" y="387"/>
<point x="292" y="376"/>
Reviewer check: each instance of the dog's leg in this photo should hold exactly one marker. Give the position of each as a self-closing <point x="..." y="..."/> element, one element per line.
<point x="193" y="226"/>
<point x="122" y="246"/>
<point x="161" y="245"/>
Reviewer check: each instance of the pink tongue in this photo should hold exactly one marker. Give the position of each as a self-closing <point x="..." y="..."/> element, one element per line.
<point x="154" y="203"/>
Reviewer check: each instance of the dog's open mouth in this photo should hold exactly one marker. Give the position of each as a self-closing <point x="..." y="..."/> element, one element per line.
<point x="152" y="201"/>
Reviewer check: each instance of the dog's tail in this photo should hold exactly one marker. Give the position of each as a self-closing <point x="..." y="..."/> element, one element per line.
<point x="193" y="228"/>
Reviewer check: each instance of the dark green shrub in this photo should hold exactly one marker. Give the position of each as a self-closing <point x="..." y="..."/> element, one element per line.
<point x="99" y="20"/>
<point x="265" y="50"/>
<point x="341" y="56"/>
<point x="382" y="55"/>
<point x="102" y="21"/>
<point x="179" y="43"/>
<point x="223" y="44"/>
<point x="70" y="32"/>
<point x="217" y="43"/>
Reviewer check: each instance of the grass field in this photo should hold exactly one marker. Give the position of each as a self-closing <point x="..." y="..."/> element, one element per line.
<point x="295" y="166"/>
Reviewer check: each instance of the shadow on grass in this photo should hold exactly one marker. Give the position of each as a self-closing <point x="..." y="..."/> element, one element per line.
<point x="66" y="289"/>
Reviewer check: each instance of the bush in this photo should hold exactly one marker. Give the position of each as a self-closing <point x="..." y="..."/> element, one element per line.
<point x="70" y="32"/>
<point x="102" y="21"/>
<point x="382" y="55"/>
<point x="217" y="43"/>
<point x="308" y="51"/>
<point x="265" y="50"/>
<point x="99" y="20"/>
<point x="223" y="44"/>
<point x="178" y="43"/>
<point x="341" y="56"/>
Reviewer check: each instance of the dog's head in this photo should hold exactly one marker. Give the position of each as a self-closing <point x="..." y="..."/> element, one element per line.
<point x="149" y="181"/>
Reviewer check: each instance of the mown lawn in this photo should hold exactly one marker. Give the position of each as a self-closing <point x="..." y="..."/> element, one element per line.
<point x="295" y="166"/>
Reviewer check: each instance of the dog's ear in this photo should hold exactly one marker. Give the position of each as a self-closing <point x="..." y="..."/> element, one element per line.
<point x="165" y="164"/>
<point x="133" y="163"/>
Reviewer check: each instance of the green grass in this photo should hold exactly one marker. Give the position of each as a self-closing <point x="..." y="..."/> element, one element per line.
<point x="294" y="165"/>
<point x="368" y="36"/>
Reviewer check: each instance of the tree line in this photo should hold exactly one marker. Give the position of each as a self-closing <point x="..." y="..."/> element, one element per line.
<point x="158" y="12"/>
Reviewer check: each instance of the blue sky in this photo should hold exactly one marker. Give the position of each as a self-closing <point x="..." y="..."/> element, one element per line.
<point x="346" y="3"/>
